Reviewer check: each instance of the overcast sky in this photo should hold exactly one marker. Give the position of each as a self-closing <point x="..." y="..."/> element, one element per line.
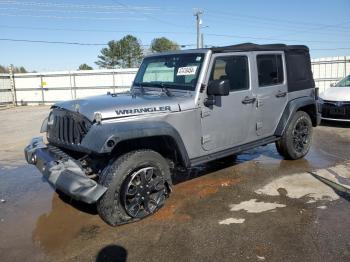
<point x="322" y="25"/>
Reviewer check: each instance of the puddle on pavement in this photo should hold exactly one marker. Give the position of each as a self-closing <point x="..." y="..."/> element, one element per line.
<point x="56" y="228"/>
<point x="232" y="220"/>
<point x="34" y="220"/>
<point x="319" y="186"/>
<point x="25" y="198"/>
<point x="298" y="186"/>
<point x="255" y="206"/>
<point x="190" y="191"/>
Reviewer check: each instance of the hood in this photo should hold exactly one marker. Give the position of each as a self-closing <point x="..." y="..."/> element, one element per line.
<point x="336" y="94"/>
<point x="122" y="105"/>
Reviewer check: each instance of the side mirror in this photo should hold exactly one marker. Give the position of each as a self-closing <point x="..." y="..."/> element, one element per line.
<point x="219" y="88"/>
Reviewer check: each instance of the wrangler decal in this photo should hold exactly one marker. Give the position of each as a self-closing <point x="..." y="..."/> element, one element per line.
<point x="142" y="110"/>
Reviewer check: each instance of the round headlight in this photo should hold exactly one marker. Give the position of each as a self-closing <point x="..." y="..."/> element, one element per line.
<point x="51" y="119"/>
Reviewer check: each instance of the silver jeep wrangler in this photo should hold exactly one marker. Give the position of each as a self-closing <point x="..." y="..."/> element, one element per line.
<point x="184" y="109"/>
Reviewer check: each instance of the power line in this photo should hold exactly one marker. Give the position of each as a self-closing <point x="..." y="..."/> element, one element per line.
<point x="91" y="30"/>
<point x="100" y="44"/>
<point x="150" y="16"/>
<point x="269" y="38"/>
<point x="294" y="32"/>
<point x="69" y="43"/>
<point x="298" y="26"/>
<point x="141" y="9"/>
<point x="66" y="10"/>
<point x="75" y="10"/>
<point x="280" y="27"/>
<point x="251" y="17"/>
<point x="106" y="18"/>
<point x="50" y="42"/>
<point x="160" y="32"/>
<point x="81" y="6"/>
<point x="330" y="49"/>
<point x="324" y="27"/>
<point x="76" y="17"/>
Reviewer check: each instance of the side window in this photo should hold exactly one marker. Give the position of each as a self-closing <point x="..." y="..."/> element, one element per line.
<point x="270" y="69"/>
<point x="233" y="68"/>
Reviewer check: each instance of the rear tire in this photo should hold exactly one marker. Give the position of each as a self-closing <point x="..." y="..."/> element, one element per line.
<point x="296" y="141"/>
<point x="137" y="186"/>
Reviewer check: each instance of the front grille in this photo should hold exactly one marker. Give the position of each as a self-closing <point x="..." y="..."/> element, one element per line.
<point x="336" y="110"/>
<point x="66" y="127"/>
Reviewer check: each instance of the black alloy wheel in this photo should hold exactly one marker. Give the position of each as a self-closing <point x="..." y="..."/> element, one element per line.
<point x="144" y="192"/>
<point x="301" y="135"/>
<point x="296" y="140"/>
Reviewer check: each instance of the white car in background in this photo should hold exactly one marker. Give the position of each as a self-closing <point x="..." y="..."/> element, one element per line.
<point x="335" y="101"/>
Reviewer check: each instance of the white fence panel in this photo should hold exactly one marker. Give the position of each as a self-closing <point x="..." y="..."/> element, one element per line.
<point x="28" y="88"/>
<point x="6" y="96"/>
<point x="50" y="87"/>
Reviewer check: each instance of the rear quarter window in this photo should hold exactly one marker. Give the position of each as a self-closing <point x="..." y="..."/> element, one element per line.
<point x="270" y="69"/>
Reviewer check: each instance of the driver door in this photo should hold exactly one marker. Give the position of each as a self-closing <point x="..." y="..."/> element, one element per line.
<point x="229" y="121"/>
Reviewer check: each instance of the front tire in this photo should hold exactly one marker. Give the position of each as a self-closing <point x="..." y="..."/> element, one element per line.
<point x="296" y="140"/>
<point x="137" y="185"/>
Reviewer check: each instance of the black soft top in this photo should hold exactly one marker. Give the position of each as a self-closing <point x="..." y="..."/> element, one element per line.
<point x="256" y="47"/>
<point x="298" y="62"/>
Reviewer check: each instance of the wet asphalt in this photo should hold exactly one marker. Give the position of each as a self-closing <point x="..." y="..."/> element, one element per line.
<point x="253" y="207"/>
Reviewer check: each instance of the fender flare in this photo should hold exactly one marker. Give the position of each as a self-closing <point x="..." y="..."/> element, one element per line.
<point x="289" y="111"/>
<point x="98" y="138"/>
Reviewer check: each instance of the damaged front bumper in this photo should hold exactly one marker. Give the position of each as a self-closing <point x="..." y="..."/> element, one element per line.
<point x="63" y="172"/>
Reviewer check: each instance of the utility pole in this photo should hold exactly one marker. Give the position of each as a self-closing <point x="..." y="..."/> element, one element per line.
<point x="202" y="40"/>
<point x="198" y="24"/>
<point x="13" y="85"/>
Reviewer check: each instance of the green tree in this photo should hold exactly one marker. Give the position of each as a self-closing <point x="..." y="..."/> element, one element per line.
<point x="110" y="56"/>
<point x="85" y="67"/>
<point x="5" y="69"/>
<point x="163" y="44"/>
<point x="131" y="51"/>
<point x="126" y="52"/>
<point x="22" y="70"/>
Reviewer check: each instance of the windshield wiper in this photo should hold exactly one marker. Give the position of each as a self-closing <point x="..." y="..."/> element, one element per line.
<point x="162" y="85"/>
<point x="140" y="85"/>
<point x="165" y="90"/>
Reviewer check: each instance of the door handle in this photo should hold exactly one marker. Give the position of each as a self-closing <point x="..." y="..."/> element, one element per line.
<point x="281" y="94"/>
<point x="248" y="100"/>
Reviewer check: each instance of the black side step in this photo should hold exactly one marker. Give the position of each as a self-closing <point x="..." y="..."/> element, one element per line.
<point x="233" y="150"/>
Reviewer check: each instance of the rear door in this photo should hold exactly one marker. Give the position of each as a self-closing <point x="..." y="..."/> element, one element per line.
<point x="270" y="88"/>
<point x="227" y="123"/>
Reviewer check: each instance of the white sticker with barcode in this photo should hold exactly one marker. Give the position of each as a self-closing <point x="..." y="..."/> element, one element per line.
<point x="187" y="70"/>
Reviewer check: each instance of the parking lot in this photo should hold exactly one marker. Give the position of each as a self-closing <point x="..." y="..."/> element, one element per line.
<point x="253" y="207"/>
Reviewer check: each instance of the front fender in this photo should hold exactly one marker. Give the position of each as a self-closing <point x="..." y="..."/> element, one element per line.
<point x="105" y="137"/>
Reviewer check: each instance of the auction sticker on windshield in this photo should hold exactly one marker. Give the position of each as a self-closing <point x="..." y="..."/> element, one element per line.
<point x="187" y="70"/>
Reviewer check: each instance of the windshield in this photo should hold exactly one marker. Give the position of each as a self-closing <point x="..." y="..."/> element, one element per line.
<point x="178" y="71"/>
<point x="344" y="82"/>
